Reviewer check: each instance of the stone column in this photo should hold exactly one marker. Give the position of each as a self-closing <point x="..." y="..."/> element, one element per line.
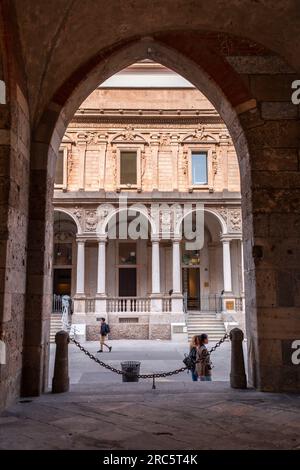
<point x="101" y="288"/>
<point x="101" y="277"/>
<point x="156" y="301"/>
<point x="80" y="267"/>
<point x="242" y="266"/>
<point x="227" y="266"/>
<point x="176" y="267"/>
<point x="177" y="298"/>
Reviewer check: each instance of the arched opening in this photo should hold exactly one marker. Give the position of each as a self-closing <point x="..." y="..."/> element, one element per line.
<point x="64" y="275"/>
<point x="147" y="134"/>
<point x="60" y="114"/>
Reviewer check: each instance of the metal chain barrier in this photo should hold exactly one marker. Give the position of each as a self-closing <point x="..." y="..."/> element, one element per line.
<point x="218" y="344"/>
<point x="153" y="376"/>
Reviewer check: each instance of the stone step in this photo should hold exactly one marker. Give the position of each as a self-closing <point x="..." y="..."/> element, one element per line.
<point x="55" y="326"/>
<point x="206" y="330"/>
<point x="208" y="325"/>
<point x="191" y="314"/>
<point x="205" y="322"/>
<point x="203" y="319"/>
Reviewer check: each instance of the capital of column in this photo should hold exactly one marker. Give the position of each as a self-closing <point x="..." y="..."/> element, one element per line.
<point x="155" y="238"/>
<point x="102" y="239"/>
<point x="226" y="239"/>
<point x="80" y="239"/>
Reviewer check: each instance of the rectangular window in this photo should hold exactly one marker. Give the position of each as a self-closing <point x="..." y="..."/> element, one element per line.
<point x="62" y="253"/>
<point x="199" y="168"/>
<point x="59" y="170"/>
<point x="127" y="253"/>
<point x="128" y="168"/>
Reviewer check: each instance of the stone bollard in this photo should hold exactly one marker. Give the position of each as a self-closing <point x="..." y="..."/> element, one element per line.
<point x="238" y="377"/>
<point x="60" y="381"/>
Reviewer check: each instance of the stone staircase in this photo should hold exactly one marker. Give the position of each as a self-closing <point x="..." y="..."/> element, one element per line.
<point x="205" y="322"/>
<point x="55" y="325"/>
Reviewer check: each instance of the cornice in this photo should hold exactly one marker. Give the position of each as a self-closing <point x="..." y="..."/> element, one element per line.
<point x="94" y="197"/>
<point x="135" y="118"/>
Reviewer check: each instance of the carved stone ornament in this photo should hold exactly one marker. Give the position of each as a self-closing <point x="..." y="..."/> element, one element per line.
<point x="214" y="162"/>
<point x="235" y="220"/>
<point x="90" y="221"/>
<point x="91" y="137"/>
<point x="164" y="139"/>
<point x="177" y="217"/>
<point x="199" y="133"/>
<point x="224" y="213"/>
<point x="129" y="134"/>
<point x="165" y="221"/>
<point x="185" y="161"/>
<point x="77" y="211"/>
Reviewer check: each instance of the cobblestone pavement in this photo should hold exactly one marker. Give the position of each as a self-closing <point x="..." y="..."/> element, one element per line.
<point x="101" y="412"/>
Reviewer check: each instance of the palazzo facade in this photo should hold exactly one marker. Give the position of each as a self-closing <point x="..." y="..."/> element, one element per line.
<point x="144" y="160"/>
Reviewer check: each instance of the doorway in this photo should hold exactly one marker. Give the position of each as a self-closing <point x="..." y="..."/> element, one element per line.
<point x="62" y="281"/>
<point x="191" y="287"/>
<point x="127" y="282"/>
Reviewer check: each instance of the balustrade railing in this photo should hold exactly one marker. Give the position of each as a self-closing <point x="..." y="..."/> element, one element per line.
<point x="129" y="304"/>
<point x="209" y="303"/>
<point x="166" y="304"/>
<point x="90" y="305"/>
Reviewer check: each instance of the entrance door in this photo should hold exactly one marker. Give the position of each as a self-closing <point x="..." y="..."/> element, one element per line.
<point x="62" y="281"/>
<point x="127" y="282"/>
<point x="191" y="287"/>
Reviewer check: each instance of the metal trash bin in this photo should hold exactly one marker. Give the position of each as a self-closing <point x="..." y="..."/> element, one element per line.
<point x="131" y="369"/>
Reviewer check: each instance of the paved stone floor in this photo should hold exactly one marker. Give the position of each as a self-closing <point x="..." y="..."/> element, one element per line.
<point x="155" y="356"/>
<point x="101" y="412"/>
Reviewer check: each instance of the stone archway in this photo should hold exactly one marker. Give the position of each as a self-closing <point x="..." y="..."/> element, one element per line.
<point x="243" y="118"/>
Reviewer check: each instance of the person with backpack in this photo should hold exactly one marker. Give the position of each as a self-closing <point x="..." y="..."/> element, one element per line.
<point x="193" y="356"/>
<point x="190" y="359"/>
<point x="104" y="330"/>
<point x="203" y="362"/>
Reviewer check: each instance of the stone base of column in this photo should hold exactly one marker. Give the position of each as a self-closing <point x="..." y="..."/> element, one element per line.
<point x="79" y="303"/>
<point x="156" y="303"/>
<point x="101" y="304"/>
<point x="177" y="303"/>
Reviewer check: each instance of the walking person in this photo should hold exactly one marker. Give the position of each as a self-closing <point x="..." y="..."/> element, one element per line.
<point x="104" y="330"/>
<point x="193" y="354"/>
<point x="203" y="364"/>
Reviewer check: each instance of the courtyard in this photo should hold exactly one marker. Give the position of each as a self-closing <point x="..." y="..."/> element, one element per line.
<point x="102" y="412"/>
<point x="155" y="356"/>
